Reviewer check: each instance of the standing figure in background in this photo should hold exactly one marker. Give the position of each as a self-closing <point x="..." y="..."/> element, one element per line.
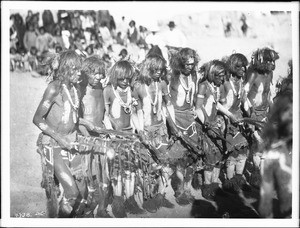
<point x="257" y="89"/>
<point x="175" y="37"/>
<point x="28" y="18"/>
<point x="57" y="37"/>
<point x="132" y="32"/>
<point x="48" y="21"/>
<point x="244" y="26"/>
<point x="105" y="34"/>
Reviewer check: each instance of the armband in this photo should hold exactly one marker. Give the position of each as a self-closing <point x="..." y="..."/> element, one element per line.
<point x="247" y="88"/>
<point x="200" y="96"/>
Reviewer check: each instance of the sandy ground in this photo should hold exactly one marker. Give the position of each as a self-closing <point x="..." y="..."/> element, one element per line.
<point x="27" y="198"/>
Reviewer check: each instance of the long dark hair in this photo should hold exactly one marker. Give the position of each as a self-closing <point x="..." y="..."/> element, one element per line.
<point x="148" y="67"/>
<point x="121" y="69"/>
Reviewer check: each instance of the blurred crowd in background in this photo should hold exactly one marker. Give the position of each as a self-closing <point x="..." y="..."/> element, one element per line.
<point x="91" y="32"/>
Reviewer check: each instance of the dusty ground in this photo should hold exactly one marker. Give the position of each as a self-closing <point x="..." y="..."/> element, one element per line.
<point x="27" y="198"/>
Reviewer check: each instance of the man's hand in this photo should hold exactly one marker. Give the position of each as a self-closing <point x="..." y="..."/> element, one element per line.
<point x="234" y="119"/>
<point x="178" y="134"/>
<point x="211" y="133"/>
<point x="64" y="143"/>
<point x="143" y="136"/>
<point x="88" y="124"/>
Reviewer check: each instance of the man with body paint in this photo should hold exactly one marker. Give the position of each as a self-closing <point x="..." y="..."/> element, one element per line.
<point x="57" y="118"/>
<point x="149" y="91"/>
<point x="93" y="71"/>
<point x="120" y="115"/>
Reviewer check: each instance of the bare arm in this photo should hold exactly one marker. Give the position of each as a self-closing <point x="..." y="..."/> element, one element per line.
<point x="225" y="111"/>
<point x="139" y="109"/>
<point x="41" y="112"/>
<point x="199" y="106"/>
<point x="251" y="76"/>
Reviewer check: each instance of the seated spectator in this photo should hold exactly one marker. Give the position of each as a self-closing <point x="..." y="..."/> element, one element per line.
<point x="119" y="39"/>
<point x="78" y="43"/>
<point x="32" y="59"/>
<point x="107" y="60"/>
<point x="43" y="41"/>
<point x="142" y="37"/>
<point x="24" y="64"/>
<point x="123" y="54"/>
<point x="58" y="40"/>
<point x="58" y="49"/>
<point x="105" y="34"/>
<point x="93" y="39"/>
<point x="89" y="51"/>
<point x="65" y="33"/>
<point x="15" y="59"/>
<point x="30" y="37"/>
<point x="98" y="50"/>
<point x="75" y="20"/>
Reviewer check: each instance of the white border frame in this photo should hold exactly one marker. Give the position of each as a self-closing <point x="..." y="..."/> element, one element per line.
<point x="6" y="221"/>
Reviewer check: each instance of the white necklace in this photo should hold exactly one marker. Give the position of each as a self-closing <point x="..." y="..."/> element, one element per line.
<point x="215" y="93"/>
<point x="76" y="105"/>
<point x="126" y="106"/>
<point x="186" y="87"/>
<point x="238" y="94"/>
<point x="153" y="103"/>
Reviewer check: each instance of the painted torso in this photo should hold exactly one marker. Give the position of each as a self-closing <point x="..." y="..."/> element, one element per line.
<point x="151" y="102"/>
<point x="211" y="96"/>
<point x="116" y="111"/>
<point x="260" y="91"/>
<point x="231" y="92"/>
<point x="93" y="109"/>
<point x="182" y="92"/>
<point x="62" y="117"/>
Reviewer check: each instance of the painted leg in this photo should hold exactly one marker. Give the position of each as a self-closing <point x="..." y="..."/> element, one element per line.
<point x="230" y="168"/>
<point x="240" y="166"/>
<point x="215" y="175"/>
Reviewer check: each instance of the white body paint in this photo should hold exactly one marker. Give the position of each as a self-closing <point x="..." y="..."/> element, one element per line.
<point x="66" y="113"/>
<point x="181" y="96"/>
<point x="258" y="97"/>
<point x="43" y="126"/>
<point x="46" y="104"/>
<point x="147" y="111"/>
<point x="116" y="109"/>
<point x="229" y="100"/>
<point x="66" y="178"/>
<point x="209" y="105"/>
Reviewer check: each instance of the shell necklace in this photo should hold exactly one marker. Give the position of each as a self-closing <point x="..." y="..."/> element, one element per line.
<point x="238" y="94"/>
<point x="153" y="103"/>
<point x="126" y="106"/>
<point x="186" y="87"/>
<point x="74" y="106"/>
<point x="215" y="92"/>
